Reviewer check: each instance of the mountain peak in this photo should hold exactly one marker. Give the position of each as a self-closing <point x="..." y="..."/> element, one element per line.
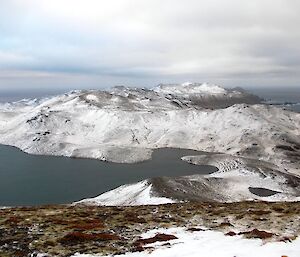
<point x="190" y="88"/>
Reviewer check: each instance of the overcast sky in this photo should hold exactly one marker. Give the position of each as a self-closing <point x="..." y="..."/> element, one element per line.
<point x="95" y="43"/>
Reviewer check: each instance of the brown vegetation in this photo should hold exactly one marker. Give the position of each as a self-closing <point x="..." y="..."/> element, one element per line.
<point x="64" y="230"/>
<point x="77" y="237"/>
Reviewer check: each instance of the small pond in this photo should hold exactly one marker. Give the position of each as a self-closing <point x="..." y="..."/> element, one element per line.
<point x="262" y="192"/>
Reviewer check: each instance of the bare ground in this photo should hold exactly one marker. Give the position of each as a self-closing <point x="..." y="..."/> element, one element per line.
<point x="64" y="230"/>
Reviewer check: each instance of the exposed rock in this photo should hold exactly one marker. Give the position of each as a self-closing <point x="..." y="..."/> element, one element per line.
<point x="156" y="238"/>
<point x="255" y="233"/>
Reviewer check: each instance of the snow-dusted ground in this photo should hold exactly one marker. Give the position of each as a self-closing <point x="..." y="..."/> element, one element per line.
<point x="134" y="194"/>
<point x="212" y="244"/>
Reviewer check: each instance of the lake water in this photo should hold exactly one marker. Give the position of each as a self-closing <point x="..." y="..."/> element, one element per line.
<point x="34" y="180"/>
<point x="262" y="192"/>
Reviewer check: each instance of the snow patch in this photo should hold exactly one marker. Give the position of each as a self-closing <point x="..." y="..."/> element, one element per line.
<point x="211" y="244"/>
<point x="190" y="88"/>
<point x="92" y="97"/>
<point x="134" y="194"/>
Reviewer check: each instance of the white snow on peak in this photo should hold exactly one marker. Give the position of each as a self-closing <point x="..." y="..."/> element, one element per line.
<point x="188" y="88"/>
<point x="92" y="97"/>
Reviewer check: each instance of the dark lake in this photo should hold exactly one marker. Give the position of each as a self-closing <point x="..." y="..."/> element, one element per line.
<point x="34" y="179"/>
<point x="263" y="192"/>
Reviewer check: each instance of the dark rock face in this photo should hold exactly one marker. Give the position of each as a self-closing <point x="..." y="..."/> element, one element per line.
<point x="213" y="102"/>
<point x="182" y="189"/>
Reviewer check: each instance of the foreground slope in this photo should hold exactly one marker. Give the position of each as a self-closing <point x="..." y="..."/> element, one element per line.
<point x="268" y="229"/>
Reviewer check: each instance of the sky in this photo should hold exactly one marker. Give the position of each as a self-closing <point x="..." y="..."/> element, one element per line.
<point x="47" y="44"/>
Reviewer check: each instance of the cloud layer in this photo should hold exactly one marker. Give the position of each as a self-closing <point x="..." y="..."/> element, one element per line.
<point x="96" y="42"/>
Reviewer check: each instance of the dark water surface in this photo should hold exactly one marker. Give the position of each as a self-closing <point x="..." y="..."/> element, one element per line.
<point x="263" y="192"/>
<point x="34" y="180"/>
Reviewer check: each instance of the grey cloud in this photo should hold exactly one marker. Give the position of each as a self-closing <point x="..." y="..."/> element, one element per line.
<point x="135" y="40"/>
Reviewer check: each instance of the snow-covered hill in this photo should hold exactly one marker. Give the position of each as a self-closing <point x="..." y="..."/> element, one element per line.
<point x="124" y="124"/>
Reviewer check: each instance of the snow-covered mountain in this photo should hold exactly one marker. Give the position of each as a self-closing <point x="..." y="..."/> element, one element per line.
<point x="124" y="124"/>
